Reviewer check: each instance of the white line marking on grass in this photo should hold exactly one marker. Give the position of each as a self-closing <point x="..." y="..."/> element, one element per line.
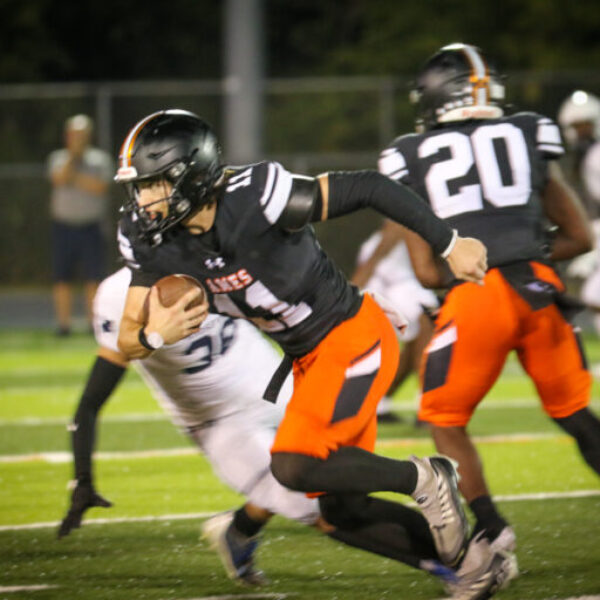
<point x="547" y="495"/>
<point x="244" y="597"/>
<point x="9" y="589"/>
<point x="205" y="515"/>
<point x="67" y="457"/>
<point x="402" y="406"/>
<point x="484" y="439"/>
<point x="149" y="518"/>
<point x="127" y="418"/>
<point x="583" y="598"/>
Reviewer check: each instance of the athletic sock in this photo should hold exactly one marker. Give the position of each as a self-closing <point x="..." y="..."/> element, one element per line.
<point x="244" y="524"/>
<point x="584" y="426"/>
<point x="487" y="516"/>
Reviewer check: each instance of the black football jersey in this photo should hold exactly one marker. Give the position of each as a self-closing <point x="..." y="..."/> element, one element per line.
<point x="484" y="177"/>
<point x="283" y="282"/>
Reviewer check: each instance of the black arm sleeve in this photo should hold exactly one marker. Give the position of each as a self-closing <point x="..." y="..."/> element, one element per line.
<point x="102" y="380"/>
<point x="350" y="191"/>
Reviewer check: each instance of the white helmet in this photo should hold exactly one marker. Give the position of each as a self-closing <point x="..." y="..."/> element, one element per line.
<point x="579" y="107"/>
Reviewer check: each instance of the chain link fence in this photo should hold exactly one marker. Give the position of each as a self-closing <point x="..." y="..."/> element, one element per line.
<point x="310" y="125"/>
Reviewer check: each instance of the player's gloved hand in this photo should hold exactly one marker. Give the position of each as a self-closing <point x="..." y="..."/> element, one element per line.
<point x="84" y="496"/>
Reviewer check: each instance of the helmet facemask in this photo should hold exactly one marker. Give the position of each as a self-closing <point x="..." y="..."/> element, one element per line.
<point x="191" y="189"/>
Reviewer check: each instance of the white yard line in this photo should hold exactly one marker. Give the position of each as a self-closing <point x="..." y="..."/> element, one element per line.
<point x="244" y="597"/>
<point x="66" y="457"/>
<point x="204" y="515"/>
<point x="508" y="438"/>
<point x="402" y="406"/>
<point x="126" y="418"/>
<point x="11" y="589"/>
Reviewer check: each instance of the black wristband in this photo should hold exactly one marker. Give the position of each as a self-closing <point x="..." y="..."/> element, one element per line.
<point x="143" y="340"/>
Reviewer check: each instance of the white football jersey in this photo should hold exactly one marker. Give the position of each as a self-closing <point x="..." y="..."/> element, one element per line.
<point x="393" y="268"/>
<point x="212" y="384"/>
<point x="590" y="172"/>
<point x="395" y="279"/>
<point x="219" y="371"/>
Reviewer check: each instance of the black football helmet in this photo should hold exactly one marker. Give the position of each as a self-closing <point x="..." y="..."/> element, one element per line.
<point x="175" y="145"/>
<point x="457" y="84"/>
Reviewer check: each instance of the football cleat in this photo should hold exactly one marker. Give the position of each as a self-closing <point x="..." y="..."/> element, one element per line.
<point x="235" y="550"/>
<point x="482" y="571"/>
<point x="437" y="496"/>
<point x="505" y="541"/>
<point x="445" y="574"/>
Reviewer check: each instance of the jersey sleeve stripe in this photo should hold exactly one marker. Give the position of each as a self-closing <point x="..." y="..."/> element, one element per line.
<point x="552" y="149"/>
<point x="392" y="164"/>
<point x="126" y="250"/>
<point x="277" y="192"/>
<point x="548" y="137"/>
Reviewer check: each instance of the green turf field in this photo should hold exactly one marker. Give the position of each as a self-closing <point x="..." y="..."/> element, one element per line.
<point x="151" y="549"/>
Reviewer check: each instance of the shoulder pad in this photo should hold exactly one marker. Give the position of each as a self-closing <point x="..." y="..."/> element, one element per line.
<point x="544" y="131"/>
<point x="266" y="182"/>
<point x="299" y="209"/>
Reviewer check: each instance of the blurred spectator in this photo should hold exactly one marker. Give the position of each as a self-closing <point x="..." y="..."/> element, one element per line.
<point x="80" y="177"/>
<point x="579" y="117"/>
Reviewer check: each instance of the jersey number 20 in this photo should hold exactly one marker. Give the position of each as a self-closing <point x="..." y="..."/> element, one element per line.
<point x="477" y="149"/>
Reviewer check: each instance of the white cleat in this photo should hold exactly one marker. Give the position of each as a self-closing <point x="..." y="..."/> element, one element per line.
<point x="482" y="572"/>
<point x="437" y="496"/>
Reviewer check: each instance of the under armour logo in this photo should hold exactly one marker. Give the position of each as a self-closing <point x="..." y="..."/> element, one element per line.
<point x="214" y="263"/>
<point x="539" y="287"/>
<point x="107" y="326"/>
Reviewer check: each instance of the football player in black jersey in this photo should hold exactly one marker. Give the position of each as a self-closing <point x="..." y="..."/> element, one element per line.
<point x="245" y="233"/>
<point x="492" y="176"/>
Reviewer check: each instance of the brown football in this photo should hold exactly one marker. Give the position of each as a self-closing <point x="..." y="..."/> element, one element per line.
<point x="171" y="288"/>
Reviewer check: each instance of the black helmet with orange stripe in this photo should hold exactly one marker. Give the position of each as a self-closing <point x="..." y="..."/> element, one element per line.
<point x="457" y="84"/>
<point x="179" y="147"/>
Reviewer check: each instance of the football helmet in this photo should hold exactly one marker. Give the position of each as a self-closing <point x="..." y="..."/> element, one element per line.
<point x="579" y="107"/>
<point x="179" y="147"/>
<point x="457" y="84"/>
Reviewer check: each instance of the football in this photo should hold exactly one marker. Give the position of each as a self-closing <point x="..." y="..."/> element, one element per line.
<point x="171" y="288"/>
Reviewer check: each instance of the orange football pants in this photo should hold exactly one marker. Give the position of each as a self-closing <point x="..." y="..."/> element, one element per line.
<point x="338" y="384"/>
<point x="477" y="328"/>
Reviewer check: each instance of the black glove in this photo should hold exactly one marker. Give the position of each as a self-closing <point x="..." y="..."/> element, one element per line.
<point x="84" y="496"/>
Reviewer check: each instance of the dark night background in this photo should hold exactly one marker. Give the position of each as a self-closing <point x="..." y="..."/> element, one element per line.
<point x="59" y="58"/>
<point x="44" y="40"/>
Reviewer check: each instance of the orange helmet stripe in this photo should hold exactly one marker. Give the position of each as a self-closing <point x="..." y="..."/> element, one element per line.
<point x="479" y="78"/>
<point x="127" y="147"/>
